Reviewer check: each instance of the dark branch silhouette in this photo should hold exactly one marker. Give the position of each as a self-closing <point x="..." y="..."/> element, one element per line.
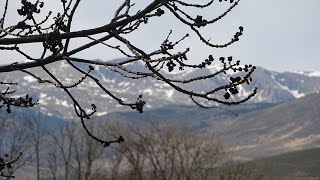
<point x="6" y="163"/>
<point x="54" y="33"/>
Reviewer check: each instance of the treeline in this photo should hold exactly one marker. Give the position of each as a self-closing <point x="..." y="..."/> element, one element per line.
<point x="152" y="150"/>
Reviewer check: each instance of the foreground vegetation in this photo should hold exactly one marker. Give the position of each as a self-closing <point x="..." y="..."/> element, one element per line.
<point x="152" y="150"/>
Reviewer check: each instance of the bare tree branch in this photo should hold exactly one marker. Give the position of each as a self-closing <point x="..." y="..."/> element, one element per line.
<point x="55" y="34"/>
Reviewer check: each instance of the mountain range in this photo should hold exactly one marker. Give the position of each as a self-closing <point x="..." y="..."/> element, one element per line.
<point x="282" y="117"/>
<point x="273" y="87"/>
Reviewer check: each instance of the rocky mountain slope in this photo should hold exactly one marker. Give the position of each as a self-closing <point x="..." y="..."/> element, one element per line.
<point x="273" y="87"/>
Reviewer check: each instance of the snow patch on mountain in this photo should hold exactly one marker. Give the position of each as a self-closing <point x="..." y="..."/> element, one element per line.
<point x="29" y="79"/>
<point x="148" y="91"/>
<point x="169" y="93"/>
<point x="42" y="99"/>
<point x="314" y="74"/>
<point x="101" y="113"/>
<point x="124" y="84"/>
<point x="62" y="103"/>
<point x="310" y="74"/>
<point x="63" y="65"/>
<point x="215" y="68"/>
<point x="166" y="85"/>
<point x="295" y="93"/>
<point x="260" y="97"/>
<point x="242" y="92"/>
<point x="105" y="96"/>
<point x="158" y="85"/>
<point x="68" y="80"/>
<point x="43" y="95"/>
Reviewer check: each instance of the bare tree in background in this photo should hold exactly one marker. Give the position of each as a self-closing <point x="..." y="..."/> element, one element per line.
<point x="128" y="152"/>
<point x="60" y="156"/>
<point x="85" y="154"/>
<point x="53" y="162"/>
<point x="80" y="154"/>
<point x="164" y="151"/>
<point x="14" y="141"/>
<point x="5" y="162"/>
<point x="34" y="123"/>
<point x="161" y="152"/>
<point x="53" y="32"/>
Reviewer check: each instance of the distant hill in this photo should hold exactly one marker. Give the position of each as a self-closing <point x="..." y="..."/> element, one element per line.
<point x="281" y="128"/>
<point x="194" y="116"/>
<point x="296" y="165"/>
<point x="259" y="129"/>
<point x="34" y="115"/>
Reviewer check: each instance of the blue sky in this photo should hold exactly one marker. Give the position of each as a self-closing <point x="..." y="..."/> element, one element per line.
<point x="279" y="35"/>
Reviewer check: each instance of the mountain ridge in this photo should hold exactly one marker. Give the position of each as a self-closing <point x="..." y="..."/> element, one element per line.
<point x="273" y="87"/>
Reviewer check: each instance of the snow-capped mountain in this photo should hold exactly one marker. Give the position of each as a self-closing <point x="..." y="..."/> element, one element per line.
<point x="273" y="87"/>
<point x="284" y="116"/>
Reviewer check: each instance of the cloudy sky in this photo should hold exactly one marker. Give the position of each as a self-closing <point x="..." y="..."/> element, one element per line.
<point x="279" y="35"/>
